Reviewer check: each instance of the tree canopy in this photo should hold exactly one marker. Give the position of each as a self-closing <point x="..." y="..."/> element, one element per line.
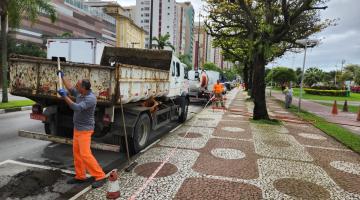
<point x="186" y="59"/>
<point x="313" y="75"/>
<point x="11" y="12"/>
<point x="281" y="75"/>
<point x="260" y="31"/>
<point x="211" y="66"/>
<point x="163" y="41"/>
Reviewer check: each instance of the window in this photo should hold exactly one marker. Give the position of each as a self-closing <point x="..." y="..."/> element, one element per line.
<point x="146" y="21"/>
<point x="168" y="27"/>
<point x="186" y="76"/>
<point x="168" y="7"/>
<point x="169" y="1"/>
<point x="147" y="15"/>
<point x="168" y="13"/>
<point x="142" y="9"/>
<point x="173" y="69"/>
<point x="142" y="15"/>
<point x="147" y="8"/>
<point x="177" y="69"/>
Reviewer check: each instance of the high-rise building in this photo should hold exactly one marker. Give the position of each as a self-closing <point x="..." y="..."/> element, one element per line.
<point x="163" y="18"/>
<point x="184" y="29"/>
<point x="206" y="52"/>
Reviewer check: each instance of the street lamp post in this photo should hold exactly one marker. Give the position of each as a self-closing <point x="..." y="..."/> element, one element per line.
<point x="151" y="23"/>
<point x="335" y="74"/>
<point x="306" y="43"/>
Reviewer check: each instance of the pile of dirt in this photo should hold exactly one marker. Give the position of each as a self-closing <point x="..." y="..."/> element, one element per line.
<point x="29" y="183"/>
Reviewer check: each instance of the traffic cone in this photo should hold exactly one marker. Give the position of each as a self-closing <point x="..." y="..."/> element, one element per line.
<point x="345" y="108"/>
<point x="334" y="109"/>
<point x="358" y="117"/>
<point x="113" y="188"/>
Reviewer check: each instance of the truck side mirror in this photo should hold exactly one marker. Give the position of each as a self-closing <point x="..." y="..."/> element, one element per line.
<point x="196" y="75"/>
<point x="186" y="75"/>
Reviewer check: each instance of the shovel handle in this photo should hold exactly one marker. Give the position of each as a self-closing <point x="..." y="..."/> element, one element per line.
<point x="59" y="74"/>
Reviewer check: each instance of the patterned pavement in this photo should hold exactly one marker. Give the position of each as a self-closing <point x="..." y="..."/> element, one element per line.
<point x="222" y="155"/>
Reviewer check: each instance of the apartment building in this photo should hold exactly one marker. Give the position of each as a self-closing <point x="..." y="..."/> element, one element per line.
<point x="206" y="52"/>
<point x="184" y="29"/>
<point x="164" y="18"/>
<point x="128" y="34"/>
<point x="73" y="17"/>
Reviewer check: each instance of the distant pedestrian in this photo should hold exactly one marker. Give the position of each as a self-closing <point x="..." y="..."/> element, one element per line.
<point x="288" y="91"/>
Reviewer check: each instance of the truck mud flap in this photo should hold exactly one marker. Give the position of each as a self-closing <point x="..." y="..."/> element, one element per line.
<point x="63" y="140"/>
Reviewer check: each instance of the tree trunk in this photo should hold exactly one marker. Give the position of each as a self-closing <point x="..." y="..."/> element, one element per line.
<point x="251" y="70"/>
<point x="260" y="111"/>
<point x="4" y="65"/>
<point x="246" y="76"/>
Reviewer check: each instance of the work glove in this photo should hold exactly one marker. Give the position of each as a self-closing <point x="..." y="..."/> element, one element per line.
<point x="62" y="92"/>
<point x="61" y="73"/>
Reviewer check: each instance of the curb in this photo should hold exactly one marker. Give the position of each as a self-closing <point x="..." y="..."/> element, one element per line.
<point x="8" y="110"/>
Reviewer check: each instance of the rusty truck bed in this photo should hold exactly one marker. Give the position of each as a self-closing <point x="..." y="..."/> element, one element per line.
<point x="128" y="79"/>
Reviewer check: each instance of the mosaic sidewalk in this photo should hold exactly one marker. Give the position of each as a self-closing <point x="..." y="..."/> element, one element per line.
<point x="225" y="156"/>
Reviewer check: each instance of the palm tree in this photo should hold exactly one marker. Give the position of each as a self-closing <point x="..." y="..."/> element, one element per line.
<point x="163" y="41"/>
<point x="11" y="13"/>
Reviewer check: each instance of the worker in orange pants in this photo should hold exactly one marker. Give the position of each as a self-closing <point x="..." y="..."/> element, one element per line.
<point x="84" y="124"/>
<point x="218" y="91"/>
<point x="83" y="158"/>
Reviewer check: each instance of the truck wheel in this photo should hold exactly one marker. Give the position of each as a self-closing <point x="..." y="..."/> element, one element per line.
<point x="183" y="109"/>
<point x="141" y="133"/>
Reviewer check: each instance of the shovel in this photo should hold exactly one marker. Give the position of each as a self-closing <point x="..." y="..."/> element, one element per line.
<point x="58" y="59"/>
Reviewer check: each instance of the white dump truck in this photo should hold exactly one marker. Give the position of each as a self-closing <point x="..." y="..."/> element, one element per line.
<point x="201" y="83"/>
<point x="125" y="76"/>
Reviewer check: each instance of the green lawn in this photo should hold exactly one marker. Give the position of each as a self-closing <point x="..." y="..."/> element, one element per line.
<point x="353" y="109"/>
<point x="339" y="133"/>
<point x="353" y="96"/>
<point x="16" y="104"/>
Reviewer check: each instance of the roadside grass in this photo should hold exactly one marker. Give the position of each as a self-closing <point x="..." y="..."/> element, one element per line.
<point x="352" y="97"/>
<point x="16" y="104"/>
<point x="353" y="109"/>
<point x="341" y="134"/>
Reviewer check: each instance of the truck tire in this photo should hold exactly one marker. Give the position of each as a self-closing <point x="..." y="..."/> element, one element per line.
<point x="184" y="107"/>
<point x="141" y="133"/>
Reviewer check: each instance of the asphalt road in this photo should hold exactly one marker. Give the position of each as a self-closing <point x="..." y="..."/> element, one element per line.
<point x="13" y="147"/>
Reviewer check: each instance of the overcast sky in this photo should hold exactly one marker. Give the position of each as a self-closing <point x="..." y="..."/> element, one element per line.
<point x="337" y="43"/>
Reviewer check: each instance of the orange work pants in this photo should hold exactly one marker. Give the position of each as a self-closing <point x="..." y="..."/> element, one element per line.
<point x="83" y="158"/>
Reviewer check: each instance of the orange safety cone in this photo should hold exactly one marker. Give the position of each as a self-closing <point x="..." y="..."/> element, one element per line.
<point x="334" y="109"/>
<point x="113" y="188"/>
<point x="345" y="108"/>
<point x="358" y="117"/>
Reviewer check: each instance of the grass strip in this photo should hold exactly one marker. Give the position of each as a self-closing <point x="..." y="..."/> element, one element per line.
<point x="353" y="109"/>
<point x="16" y="104"/>
<point x="338" y="132"/>
<point x="353" y="96"/>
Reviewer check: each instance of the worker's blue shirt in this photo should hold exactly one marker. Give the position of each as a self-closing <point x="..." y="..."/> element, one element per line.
<point x="84" y="110"/>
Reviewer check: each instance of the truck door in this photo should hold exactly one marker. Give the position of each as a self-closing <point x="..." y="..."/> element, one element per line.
<point x="174" y="80"/>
